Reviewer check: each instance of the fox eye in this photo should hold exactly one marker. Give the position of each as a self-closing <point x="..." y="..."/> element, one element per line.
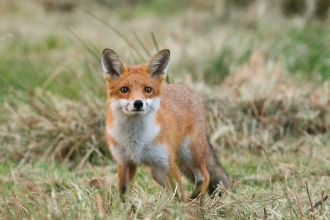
<point x="124" y="89"/>
<point x="147" y="89"/>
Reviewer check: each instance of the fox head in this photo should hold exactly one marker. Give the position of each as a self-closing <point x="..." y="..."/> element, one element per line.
<point x="134" y="90"/>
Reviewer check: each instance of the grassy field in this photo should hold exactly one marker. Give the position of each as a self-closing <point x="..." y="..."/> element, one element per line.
<point x="262" y="74"/>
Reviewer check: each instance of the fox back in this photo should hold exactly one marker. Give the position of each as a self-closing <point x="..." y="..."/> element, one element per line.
<point x="153" y="124"/>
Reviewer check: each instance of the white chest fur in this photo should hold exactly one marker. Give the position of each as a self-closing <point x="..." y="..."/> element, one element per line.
<point x="134" y="136"/>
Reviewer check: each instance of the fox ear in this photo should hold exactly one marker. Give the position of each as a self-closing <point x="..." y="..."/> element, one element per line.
<point x="113" y="65"/>
<point x="157" y="66"/>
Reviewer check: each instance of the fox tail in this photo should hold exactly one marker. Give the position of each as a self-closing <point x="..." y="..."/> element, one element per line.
<point x="218" y="175"/>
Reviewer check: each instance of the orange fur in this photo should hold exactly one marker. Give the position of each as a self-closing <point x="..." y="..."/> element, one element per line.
<point x="170" y="126"/>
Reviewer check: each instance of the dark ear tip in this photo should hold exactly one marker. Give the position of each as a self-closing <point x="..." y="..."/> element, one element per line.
<point x="107" y="50"/>
<point x="165" y="51"/>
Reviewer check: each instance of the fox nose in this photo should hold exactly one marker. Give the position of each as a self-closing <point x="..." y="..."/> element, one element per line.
<point x="138" y="104"/>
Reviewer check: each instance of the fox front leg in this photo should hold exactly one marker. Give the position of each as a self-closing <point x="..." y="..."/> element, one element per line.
<point x="122" y="180"/>
<point x="126" y="175"/>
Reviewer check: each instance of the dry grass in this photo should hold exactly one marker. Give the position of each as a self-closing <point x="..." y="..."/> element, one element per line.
<point x="270" y="128"/>
<point x="53" y="128"/>
<point x="249" y="121"/>
<point x="265" y="102"/>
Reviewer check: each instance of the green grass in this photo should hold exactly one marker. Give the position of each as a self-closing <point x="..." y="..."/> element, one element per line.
<point x="305" y="50"/>
<point x="263" y="80"/>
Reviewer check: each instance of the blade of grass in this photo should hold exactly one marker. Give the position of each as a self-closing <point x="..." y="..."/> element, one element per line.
<point x="167" y="78"/>
<point x="154" y="40"/>
<point x="96" y="56"/>
<point x="54" y="74"/>
<point x="113" y="29"/>
<point x="29" y="62"/>
<point x="141" y="44"/>
<point x="283" y="189"/>
<point x="310" y="200"/>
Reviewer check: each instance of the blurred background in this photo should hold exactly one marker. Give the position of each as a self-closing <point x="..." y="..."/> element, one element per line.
<point x="46" y="42"/>
<point x="261" y="68"/>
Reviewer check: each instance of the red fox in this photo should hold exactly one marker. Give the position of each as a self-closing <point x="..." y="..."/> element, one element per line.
<point x="158" y="125"/>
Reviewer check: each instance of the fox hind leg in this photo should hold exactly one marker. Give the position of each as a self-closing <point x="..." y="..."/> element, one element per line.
<point x="161" y="178"/>
<point x="202" y="179"/>
<point x="192" y="163"/>
<point x="176" y="174"/>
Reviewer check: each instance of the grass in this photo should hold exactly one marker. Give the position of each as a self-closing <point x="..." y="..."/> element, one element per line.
<point x="262" y="77"/>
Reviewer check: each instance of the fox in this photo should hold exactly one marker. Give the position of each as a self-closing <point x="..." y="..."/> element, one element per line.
<point x="158" y="125"/>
